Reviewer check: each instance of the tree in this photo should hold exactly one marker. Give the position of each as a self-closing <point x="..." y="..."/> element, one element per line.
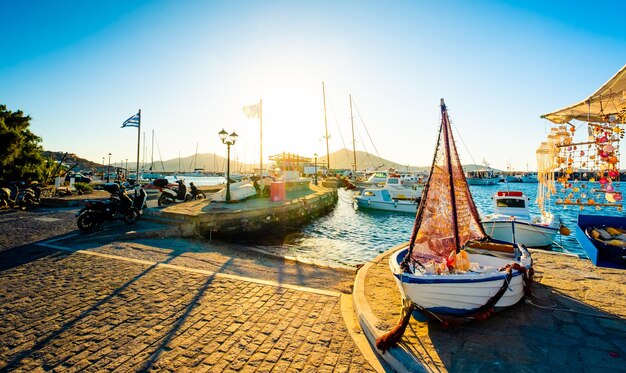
<point x="20" y="152"/>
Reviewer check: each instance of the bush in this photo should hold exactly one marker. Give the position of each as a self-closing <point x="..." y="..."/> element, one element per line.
<point x="83" y="188"/>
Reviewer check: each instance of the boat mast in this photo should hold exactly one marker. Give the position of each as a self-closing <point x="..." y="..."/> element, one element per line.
<point x="446" y="123"/>
<point x="353" y="140"/>
<point x="326" y="128"/>
<point x="152" y="156"/>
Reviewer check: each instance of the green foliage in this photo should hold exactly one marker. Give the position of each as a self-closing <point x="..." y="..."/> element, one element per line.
<point x="20" y="152"/>
<point x="83" y="188"/>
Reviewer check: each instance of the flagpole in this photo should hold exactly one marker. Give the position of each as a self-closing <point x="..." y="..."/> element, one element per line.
<point x="261" y="141"/>
<point x="138" y="143"/>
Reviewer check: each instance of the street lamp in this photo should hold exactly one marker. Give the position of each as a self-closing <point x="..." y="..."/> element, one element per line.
<point x="231" y="141"/>
<point x="315" y="156"/>
<point x="102" y="168"/>
<point x="108" y="168"/>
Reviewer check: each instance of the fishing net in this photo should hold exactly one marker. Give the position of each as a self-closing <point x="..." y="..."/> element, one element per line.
<point x="447" y="217"/>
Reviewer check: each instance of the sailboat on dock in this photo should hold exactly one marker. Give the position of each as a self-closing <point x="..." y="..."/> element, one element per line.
<point x="435" y="274"/>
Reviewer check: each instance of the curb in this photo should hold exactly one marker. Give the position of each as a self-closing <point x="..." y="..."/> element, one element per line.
<point x="398" y="357"/>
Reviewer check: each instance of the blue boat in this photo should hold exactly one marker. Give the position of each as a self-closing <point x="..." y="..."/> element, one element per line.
<point x="601" y="253"/>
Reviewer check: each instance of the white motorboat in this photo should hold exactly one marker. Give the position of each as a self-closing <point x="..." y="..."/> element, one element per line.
<point x="401" y="191"/>
<point x="380" y="199"/>
<point x="378" y="178"/>
<point x="511" y="221"/>
<point x="482" y="177"/>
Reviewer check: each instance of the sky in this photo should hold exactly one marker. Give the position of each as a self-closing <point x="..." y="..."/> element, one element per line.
<point x="80" y="68"/>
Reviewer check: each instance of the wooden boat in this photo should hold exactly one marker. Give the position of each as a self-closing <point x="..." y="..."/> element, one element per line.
<point x="435" y="274"/>
<point x="604" y="239"/>
<point x="511" y="221"/>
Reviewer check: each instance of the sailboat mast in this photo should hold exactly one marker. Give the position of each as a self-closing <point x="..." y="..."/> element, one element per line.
<point x="353" y="140"/>
<point x="152" y="156"/>
<point x="326" y="128"/>
<point x="446" y="123"/>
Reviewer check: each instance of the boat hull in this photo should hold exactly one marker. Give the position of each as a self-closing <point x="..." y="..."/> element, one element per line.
<point x="458" y="295"/>
<point x="486" y="181"/>
<point x="531" y="235"/>
<point x="396" y="206"/>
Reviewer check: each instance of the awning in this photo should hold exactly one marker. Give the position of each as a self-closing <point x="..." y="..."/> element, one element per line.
<point x="609" y="99"/>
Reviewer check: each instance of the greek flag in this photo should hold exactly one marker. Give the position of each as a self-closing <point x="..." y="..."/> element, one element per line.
<point x="132" y="121"/>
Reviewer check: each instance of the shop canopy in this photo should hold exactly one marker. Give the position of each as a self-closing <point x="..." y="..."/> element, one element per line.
<point x="609" y="99"/>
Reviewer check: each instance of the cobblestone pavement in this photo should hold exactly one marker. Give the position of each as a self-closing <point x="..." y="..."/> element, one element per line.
<point x="76" y="311"/>
<point x="23" y="227"/>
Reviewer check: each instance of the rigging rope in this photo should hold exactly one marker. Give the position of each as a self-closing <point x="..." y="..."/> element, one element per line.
<point x="363" y="122"/>
<point x="337" y="125"/>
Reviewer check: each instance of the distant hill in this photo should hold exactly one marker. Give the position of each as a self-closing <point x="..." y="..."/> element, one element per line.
<point x="72" y="159"/>
<point x="341" y="159"/>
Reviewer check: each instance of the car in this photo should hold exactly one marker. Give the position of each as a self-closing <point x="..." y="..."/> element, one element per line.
<point x="78" y="178"/>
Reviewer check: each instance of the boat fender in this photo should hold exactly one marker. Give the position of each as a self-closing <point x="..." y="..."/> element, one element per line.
<point x="565" y="231"/>
<point x="395" y="204"/>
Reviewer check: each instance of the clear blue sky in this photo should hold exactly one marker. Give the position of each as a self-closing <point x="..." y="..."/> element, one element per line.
<point x="80" y="68"/>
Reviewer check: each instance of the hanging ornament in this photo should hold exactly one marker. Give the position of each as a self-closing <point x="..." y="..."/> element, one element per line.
<point x="603" y="181"/>
<point x="609" y="188"/>
<point x="609" y="197"/>
<point x="608" y="148"/>
<point x="617" y="196"/>
<point x="613" y="174"/>
<point x="603" y="139"/>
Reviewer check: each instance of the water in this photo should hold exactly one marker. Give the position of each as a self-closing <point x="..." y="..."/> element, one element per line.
<point x="198" y="180"/>
<point x="348" y="236"/>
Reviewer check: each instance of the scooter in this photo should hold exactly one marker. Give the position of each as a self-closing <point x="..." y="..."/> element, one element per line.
<point x="168" y="196"/>
<point x="119" y="206"/>
<point x="8" y="195"/>
<point x="29" y="196"/>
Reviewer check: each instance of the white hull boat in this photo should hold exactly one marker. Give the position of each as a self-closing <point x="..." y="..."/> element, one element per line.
<point x="511" y="221"/>
<point x="436" y="272"/>
<point x="238" y="192"/>
<point x="380" y="199"/>
<point x="460" y="294"/>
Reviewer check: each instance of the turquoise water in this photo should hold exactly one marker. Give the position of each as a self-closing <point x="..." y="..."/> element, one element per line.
<point x="348" y="236"/>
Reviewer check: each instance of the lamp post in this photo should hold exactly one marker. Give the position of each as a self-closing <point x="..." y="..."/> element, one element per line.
<point x="232" y="138"/>
<point x="102" y="168"/>
<point x="109" y="168"/>
<point x="315" y="156"/>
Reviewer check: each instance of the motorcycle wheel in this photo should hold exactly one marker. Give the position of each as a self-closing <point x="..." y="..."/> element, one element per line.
<point x="200" y="195"/>
<point x="132" y="216"/>
<point x="165" y="200"/>
<point x="22" y="203"/>
<point x="3" y="204"/>
<point x="87" y="221"/>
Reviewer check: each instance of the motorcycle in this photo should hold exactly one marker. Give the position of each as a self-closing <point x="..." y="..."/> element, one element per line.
<point x="8" y="196"/>
<point x="168" y="196"/>
<point x="119" y="206"/>
<point x="29" y="196"/>
<point x="195" y="193"/>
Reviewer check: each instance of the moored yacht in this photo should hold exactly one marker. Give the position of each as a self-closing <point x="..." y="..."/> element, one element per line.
<point x="511" y="221"/>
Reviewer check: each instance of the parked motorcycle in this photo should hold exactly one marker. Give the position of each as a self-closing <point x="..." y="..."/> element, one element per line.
<point x="168" y="196"/>
<point x="119" y="206"/>
<point x="29" y="196"/>
<point x="195" y="193"/>
<point x="8" y="195"/>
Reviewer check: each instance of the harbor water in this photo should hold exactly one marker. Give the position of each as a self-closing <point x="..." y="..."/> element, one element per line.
<point x="349" y="236"/>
